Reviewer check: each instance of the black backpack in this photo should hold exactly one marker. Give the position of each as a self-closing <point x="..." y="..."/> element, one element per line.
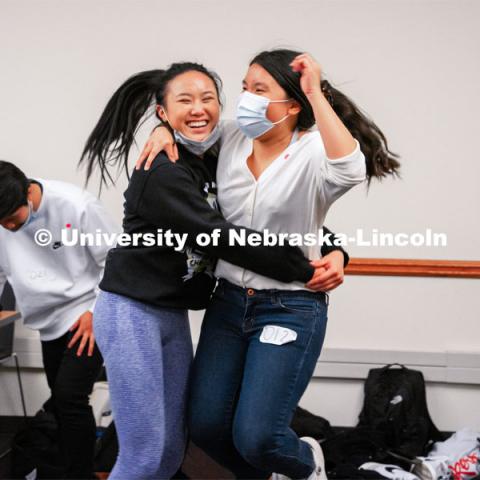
<point x="395" y="405"/>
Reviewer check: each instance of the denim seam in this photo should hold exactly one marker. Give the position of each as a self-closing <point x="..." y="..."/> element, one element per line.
<point x="295" y="380"/>
<point x="229" y="414"/>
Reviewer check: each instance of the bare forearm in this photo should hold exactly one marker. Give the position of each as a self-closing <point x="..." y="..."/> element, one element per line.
<point x="337" y="140"/>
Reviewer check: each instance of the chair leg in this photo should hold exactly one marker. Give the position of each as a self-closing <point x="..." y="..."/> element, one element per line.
<point x="20" y="384"/>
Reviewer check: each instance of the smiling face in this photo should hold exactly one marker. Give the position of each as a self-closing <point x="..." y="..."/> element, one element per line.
<point x="191" y="105"/>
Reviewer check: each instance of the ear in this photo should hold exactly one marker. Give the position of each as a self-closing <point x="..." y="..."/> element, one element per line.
<point x="161" y="114"/>
<point x="295" y="108"/>
<point x="32" y="196"/>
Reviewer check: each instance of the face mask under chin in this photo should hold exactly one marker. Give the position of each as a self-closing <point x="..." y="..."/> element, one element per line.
<point x="197" y="147"/>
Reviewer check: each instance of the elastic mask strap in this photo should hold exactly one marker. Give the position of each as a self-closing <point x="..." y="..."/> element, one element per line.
<point x="165" y="113"/>
<point x="280" y="121"/>
<point x="287" y="115"/>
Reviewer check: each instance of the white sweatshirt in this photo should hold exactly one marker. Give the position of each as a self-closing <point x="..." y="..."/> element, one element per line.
<point x="54" y="285"/>
<point x="292" y="195"/>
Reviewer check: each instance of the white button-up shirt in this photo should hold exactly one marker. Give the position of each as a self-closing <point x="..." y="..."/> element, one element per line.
<point x="292" y="195"/>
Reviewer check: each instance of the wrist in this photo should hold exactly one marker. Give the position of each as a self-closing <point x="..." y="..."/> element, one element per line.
<point x="160" y="125"/>
<point x="316" y="95"/>
<point x="335" y="253"/>
<point x="339" y="256"/>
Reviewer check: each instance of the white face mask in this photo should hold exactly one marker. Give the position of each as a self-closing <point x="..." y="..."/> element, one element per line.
<point x="252" y="114"/>
<point x="197" y="147"/>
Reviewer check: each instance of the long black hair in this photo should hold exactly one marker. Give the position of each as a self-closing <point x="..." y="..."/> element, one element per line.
<point x="380" y="161"/>
<point x="113" y="135"/>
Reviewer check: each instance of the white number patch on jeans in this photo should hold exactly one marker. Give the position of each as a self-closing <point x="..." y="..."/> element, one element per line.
<point x="277" y="335"/>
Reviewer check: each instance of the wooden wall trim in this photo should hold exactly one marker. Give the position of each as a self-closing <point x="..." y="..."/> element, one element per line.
<point x="413" y="268"/>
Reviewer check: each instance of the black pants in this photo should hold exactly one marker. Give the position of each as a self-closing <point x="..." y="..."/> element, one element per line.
<point x="71" y="380"/>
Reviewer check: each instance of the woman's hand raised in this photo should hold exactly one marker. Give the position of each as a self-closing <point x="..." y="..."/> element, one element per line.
<point x="310" y="74"/>
<point x="160" y="140"/>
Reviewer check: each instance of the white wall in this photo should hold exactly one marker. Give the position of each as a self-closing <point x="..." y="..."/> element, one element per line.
<point x="412" y="65"/>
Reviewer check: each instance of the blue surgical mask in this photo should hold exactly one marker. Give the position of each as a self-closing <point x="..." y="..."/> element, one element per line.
<point x="199" y="147"/>
<point x="252" y="114"/>
<point x="31" y="215"/>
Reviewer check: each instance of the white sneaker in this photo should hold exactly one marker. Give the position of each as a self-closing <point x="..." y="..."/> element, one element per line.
<point x="319" y="472"/>
<point x="432" y="468"/>
<point x="394" y="472"/>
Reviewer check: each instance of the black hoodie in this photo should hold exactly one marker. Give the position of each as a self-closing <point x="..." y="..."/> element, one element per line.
<point x="181" y="197"/>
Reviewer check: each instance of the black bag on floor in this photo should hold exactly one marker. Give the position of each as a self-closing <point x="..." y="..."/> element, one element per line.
<point x="306" y="424"/>
<point x="350" y="448"/>
<point x="395" y="405"/>
<point x="37" y="447"/>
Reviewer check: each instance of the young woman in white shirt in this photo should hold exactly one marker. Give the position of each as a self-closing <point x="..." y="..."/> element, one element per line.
<point x="299" y="145"/>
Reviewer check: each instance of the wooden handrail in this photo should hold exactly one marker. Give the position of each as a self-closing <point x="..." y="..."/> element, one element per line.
<point x="413" y="267"/>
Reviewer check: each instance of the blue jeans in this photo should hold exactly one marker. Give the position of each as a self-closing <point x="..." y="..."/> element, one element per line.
<point x="244" y="391"/>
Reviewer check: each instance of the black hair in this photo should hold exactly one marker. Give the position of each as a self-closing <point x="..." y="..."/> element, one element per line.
<point x="111" y="139"/>
<point x="380" y="161"/>
<point x="13" y="188"/>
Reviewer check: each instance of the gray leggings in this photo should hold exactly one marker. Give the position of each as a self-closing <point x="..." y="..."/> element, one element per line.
<point x="147" y="352"/>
